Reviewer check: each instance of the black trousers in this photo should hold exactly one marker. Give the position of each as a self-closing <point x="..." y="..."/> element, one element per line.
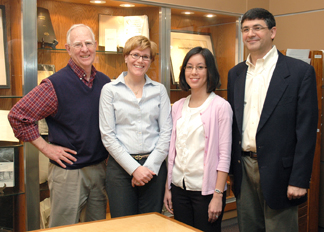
<point x="191" y="208"/>
<point x="126" y="200"/>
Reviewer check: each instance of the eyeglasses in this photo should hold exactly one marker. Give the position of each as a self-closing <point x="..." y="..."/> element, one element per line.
<point x="199" y="68"/>
<point x="254" y="29"/>
<point x="136" y="56"/>
<point x="79" y="45"/>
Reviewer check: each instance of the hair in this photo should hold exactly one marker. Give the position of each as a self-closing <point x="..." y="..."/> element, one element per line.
<point x="260" y="13"/>
<point x="212" y="72"/>
<point x="142" y="43"/>
<point x="75" y="26"/>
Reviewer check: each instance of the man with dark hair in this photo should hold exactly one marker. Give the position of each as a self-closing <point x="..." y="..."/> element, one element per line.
<point x="69" y="100"/>
<point x="274" y="102"/>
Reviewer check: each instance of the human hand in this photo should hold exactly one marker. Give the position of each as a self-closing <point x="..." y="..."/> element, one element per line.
<point x="141" y="176"/>
<point x="294" y="192"/>
<point x="215" y="207"/>
<point x="168" y="200"/>
<point x="59" y="154"/>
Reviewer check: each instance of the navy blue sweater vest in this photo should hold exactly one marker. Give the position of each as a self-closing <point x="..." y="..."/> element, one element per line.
<point x="76" y="124"/>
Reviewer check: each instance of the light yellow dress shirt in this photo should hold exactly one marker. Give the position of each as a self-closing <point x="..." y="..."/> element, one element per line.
<point x="256" y="86"/>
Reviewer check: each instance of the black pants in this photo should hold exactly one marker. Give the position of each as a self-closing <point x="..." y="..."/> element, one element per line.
<point x="126" y="200"/>
<point x="191" y="208"/>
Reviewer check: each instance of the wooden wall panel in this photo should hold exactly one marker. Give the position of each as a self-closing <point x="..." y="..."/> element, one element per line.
<point x="300" y="31"/>
<point x="293" y="6"/>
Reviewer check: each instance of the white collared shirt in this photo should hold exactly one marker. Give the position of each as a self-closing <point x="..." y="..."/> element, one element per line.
<point x="190" y="146"/>
<point x="256" y="86"/>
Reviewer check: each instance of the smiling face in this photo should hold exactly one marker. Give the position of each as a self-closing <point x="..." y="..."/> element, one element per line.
<point x="82" y="48"/>
<point x="138" y="67"/>
<point x="258" y="43"/>
<point x="197" y="76"/>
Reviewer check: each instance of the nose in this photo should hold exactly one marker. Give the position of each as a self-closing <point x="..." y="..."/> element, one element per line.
<point x="84" y="47"/>
<point x="251" y="31"/>
<point x="194" y="70"/>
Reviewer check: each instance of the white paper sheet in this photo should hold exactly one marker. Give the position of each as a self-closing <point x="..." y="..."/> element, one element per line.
<point x="6" y="132"/>
<point x="111" y="40"/>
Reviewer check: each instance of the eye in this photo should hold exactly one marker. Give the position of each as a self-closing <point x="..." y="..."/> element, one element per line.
<point x="200" y="68"/>
<point x="88" y="44"/>
<point x="146" y="57"/>
<point x="257" y="28"/>
<point x="77" y="45"/>
<point x="245" y="29"/>
<point x="136" y="55"/>
<point x="189" y="67"/>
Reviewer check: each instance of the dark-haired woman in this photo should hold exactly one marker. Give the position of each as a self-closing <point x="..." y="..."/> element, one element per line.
<point x="200" y="146"/>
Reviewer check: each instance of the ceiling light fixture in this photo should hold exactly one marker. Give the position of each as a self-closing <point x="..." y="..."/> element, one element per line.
<point x="127" y="5"/>
<point x="98" y="2"/>
<point x="187" y="12"/>
<point x="210" y="15"/>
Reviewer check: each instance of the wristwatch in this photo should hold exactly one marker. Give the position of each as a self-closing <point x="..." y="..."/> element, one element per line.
<point x="218" y="191"/>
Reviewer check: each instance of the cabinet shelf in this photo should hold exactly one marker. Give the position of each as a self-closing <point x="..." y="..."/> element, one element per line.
<point x="64" y="51"/>
<point x="10" y="96"/>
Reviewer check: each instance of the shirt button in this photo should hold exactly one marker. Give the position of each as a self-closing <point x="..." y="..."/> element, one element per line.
<point x="239" y="161"/>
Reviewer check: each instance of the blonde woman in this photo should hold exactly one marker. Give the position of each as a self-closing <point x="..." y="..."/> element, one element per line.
<point x="135" y="124"/>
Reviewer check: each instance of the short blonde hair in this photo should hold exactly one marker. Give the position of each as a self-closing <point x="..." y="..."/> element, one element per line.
<point x="142" y="43"/>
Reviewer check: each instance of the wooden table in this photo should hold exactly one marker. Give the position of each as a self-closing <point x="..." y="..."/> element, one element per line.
<point x="150" y="222"/>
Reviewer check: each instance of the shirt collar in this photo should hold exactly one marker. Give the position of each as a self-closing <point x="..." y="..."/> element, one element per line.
<point x="121" y="79"/>
<point x="80" y="71"/>
<point x="269" y="58"/>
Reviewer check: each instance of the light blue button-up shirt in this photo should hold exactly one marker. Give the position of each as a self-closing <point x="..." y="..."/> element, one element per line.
<point x="129" y="126"/>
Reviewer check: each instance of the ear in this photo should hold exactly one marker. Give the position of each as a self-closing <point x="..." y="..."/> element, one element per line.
<point x="273" y="32"/>
<point x="68" y="48"/>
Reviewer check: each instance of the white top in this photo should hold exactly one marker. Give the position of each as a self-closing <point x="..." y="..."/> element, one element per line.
<point x="256" y="86"/>
<point x="190" y="146"/>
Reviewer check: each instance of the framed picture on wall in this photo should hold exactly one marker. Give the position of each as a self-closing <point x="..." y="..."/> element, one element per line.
<point x="4" y="65"/>
<point x="8" y="166"/>
<point x="181" y="43"/>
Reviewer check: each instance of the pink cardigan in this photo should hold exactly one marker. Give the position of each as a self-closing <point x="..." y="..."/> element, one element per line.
<point x="217" y="120"/>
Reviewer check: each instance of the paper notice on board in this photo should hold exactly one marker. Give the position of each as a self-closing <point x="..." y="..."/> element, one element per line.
<point x="111" y="22"/>
<point x="302" y="54"/>
<point x="111" y="40"/>
<point x="125" y="26"/>
<point x="135" y="25"/>
<point x="6" y="133"/>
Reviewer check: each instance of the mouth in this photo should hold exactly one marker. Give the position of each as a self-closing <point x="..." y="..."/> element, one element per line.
<point x="86" y="56"/>
<point x="194" y="79"/>
<point x="252" y="40"/>
<point x="138" y="66"/>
